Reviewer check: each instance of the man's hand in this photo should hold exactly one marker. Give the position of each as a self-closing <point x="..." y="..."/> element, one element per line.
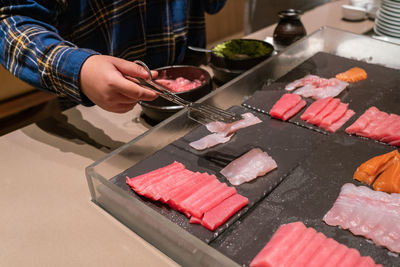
<point x="103" y="81"/>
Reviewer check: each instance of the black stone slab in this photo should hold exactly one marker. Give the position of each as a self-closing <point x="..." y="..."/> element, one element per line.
<point x="286" y="143"/>
<point x="380" y="89"/>
<point x="306" y="195"/>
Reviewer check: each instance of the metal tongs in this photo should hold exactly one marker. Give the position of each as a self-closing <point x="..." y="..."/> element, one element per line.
<point x="199" y="112"/>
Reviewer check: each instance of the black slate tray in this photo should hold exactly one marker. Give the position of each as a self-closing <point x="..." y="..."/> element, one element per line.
<point x="312" y="164"/>
<point x="306" y="195"/>
<point x="286" y="143"/>
<point x="380" y="89"/>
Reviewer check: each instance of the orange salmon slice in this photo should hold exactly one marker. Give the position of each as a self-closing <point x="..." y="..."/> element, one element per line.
<point x="352" y="75"/>
<point x="389" y="180"/>
<point x="369" y="170"/>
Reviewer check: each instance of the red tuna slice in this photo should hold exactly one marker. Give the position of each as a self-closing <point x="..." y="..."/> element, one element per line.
<point x="351" y="258"/>
<point x="219" y="214"/>
<point x="301" y="242"/>
<point x="312" y="247"/>
<point x="145" y="179"/>
<point x="195" y="220"/>
<point x="383" y="129"/>
<point x="220" y="196"/>
<point x="279" y="246"/>
<point x="395" y="143"/>
<point x="332" y="105"/>
<point x="290" y="113"/>
<point x="185" y="205"/>
<point x="157" y="190"/>
<point x="392" y="133"/>
<point x="366" y="262"/>
<point x="336" y="257"/>
<point x="339" y="123"/>
<point x="205" y="198"/>
<point x="379" y="118"/>
<point x="284" y="104"/>
<point x="362" y="122"/>
<point x="334" y="116"/>
<point x="196" y="177"/>
<point x="147" y="186"/>
<point x="188" y="189"/>
<point x="315" y="108"/>
<point x="323" y="255"/>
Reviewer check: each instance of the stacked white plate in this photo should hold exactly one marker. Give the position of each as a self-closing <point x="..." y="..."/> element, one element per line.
<point x="387" y="21"/>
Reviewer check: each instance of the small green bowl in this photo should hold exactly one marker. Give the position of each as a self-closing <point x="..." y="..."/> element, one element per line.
<point x="240" y="54"/>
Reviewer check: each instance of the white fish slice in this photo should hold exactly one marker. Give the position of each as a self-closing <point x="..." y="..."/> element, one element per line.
<point x="248" y="167"/>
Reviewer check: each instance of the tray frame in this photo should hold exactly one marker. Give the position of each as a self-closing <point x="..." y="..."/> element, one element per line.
<point x="168" y="237"/>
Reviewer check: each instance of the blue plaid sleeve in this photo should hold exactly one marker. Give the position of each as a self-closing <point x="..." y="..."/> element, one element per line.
<point x="34" y="52"/>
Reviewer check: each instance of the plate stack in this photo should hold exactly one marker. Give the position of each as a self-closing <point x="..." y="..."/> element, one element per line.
<point x="387" y="21"/>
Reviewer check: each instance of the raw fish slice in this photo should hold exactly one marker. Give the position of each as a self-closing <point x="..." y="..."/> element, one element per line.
<point x="390" y="131"/>
<point x="286" y="102"/>
<point x="325" y="112"/>
<point x="210" y="141"/>
<point x="393" y="133"/>
<point x="351" y="258"/>
<point x="220" y="196"/>
<point x="307" y="90"/>
<point x="287" y="106"/>
<point x="189" y="189"/>
<point x="395" y="143"/>
<point x="369" y="170"/>
<point x="208" y="196"/>
<point x="352" y="75"/>
<point x="380" y="131"/>
<point x="373" y="214"/>
<point x="301" y="241"/>
<point x="323" y="255"/>
<point x="195" y="220"/>
<point x="186" y="190"/>
<point x="301" y="82"/>
<point x="334" y="116"/>
<point x="339" y="123"/>
<point x="222" y="212"/>
<point x="138" y="181"/>
<point x="196" y="177"/>
<point x="315" y="108"/>
<point x="248" y="167"/>
<point x="160" y="188"/>
<point x="146" y="186"/>
<point x="186" y="204"/>
<point x="334" y="88"/>
<point x="374" y="123"/>
<point x="294" y="110"/>
<point x="389" y="180"/>
<point x="278" y="246"/>
<point x="229" y="128"/>
<point x="362" y="122"/>
<point x="314" y="250"/>
<point x="312" y="247"/>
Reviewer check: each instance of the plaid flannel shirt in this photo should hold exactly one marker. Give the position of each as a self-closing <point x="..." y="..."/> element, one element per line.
<point x="45" y="42"/>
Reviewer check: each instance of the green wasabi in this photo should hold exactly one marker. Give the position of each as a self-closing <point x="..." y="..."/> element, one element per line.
<point x="237" y="48"/>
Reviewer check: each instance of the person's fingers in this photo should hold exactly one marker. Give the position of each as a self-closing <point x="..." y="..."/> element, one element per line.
<point x="132" y="90"/>
<point x="131" y="69"/>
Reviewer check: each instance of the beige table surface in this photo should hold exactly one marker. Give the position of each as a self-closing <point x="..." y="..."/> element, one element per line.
<point x="47" y="218"/>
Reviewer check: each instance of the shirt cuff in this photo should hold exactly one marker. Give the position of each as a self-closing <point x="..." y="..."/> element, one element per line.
<point x="64" y="72"/>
